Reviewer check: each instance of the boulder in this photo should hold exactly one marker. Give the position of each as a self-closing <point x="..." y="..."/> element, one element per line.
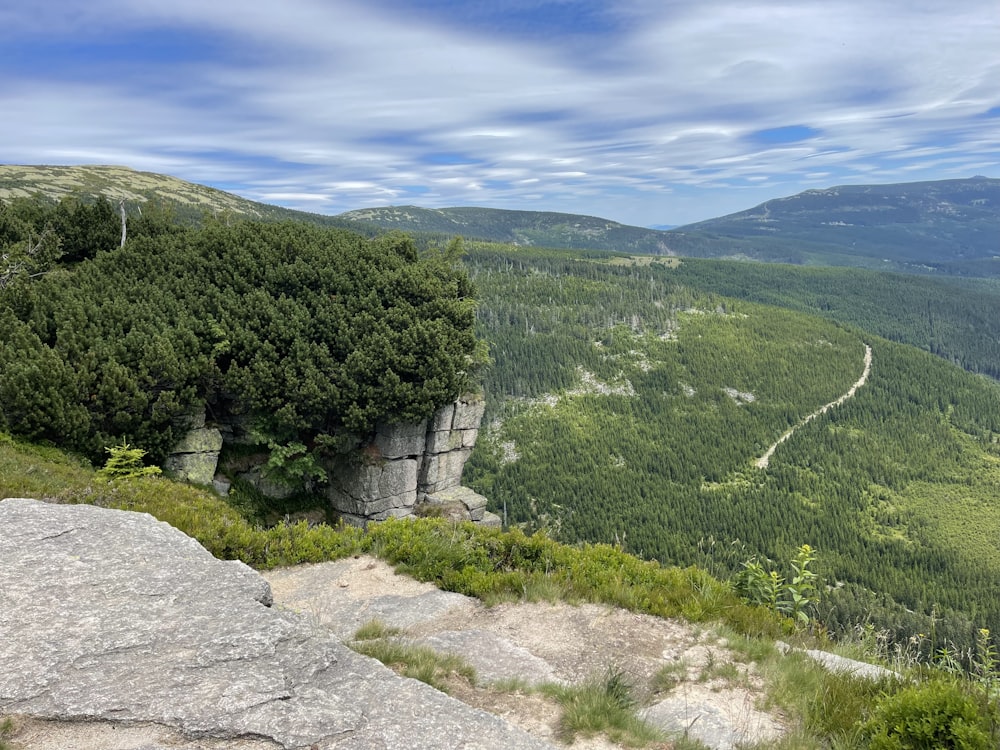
<point x="196" y="457"/>
<point x="114" y="616"/>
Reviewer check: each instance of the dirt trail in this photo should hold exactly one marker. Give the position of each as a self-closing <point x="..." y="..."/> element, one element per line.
<point x="765" y="460"/>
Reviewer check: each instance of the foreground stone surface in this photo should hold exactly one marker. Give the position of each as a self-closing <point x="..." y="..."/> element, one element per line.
<point x="114" y="616"/>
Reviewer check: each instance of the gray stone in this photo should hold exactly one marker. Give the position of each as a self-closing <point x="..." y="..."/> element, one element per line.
<point x="196" y="457"/>
<point x="836" y="663"/>
<point x="400" y="440"/>
<point x="371" y="489"/>
<point x="469" y="412"/>
<point x="469" y="498"/>
<point x="491" y="521"/>
<point x="443" y="470"/>
<point x="441" y="421"/>
<point x="114" y="616"/>
<point x="469" y="438"/>
<point x="265" y="485"/>
<point x="221" y="484"/>
<point x="719" y="721"/>
<point x="201" y="440"/>
<point x="494" y="657"/>
<point x="442" y="442"/>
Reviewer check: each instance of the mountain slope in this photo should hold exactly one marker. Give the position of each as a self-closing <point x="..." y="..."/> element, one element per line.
<point x="629" y="404"/>
<point x="946" y="227"/>
<point x="535" y="228"/>
<point x="188" y="200"/>
<point x="950" y="225"/>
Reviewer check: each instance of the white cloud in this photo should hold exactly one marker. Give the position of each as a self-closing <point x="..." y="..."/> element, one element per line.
<point x="337" y="104"/>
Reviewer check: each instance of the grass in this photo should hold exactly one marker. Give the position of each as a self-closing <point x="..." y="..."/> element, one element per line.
<point x="823" y="710"/>
<point x="374" y="630"/>
<point x="602" y="705"/>
<point x="6" y="732"/>
<point x="410" y="660"/>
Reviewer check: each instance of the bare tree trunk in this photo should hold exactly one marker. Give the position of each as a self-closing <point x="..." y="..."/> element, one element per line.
<point x="121" y="208"/>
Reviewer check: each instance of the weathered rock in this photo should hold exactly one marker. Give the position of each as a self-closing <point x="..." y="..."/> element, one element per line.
<point x="443" y="470"/>
<point x="837" y="663"/>
<point x="256" y="477"/>
<point x="722" y="719"/>
<point x="445" y="440"/>
<point x="491" y="521"/>
<point x="373" y="490"/>
<point x="330" y="593"/>
<point x="473" y="503"/>
<point x="469" y="412"/>
<point x="401" y="440"/>
<point x="494" y="657"/>
<point x="196" y="457"/>
<point x="111" y="615"/>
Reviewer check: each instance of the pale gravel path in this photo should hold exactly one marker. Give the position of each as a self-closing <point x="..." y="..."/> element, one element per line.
<point x="765" y="460"/>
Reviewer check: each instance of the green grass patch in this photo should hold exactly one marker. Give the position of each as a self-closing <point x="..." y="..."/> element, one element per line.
<point x="375" y="629"/>
<point x="601" y="706"/>
<point x="6" y="732"/>
<point x="419" y="662"/>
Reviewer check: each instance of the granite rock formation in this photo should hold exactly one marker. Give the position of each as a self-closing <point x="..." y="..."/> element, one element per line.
<point x="114" y="616"/>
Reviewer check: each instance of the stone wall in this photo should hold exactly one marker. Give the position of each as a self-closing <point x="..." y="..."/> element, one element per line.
<point x="401" y="470"/>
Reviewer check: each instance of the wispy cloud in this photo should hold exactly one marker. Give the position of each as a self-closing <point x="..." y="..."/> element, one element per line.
<point x="646" y="112"/>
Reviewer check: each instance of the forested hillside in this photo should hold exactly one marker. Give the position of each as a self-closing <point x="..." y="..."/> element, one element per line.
<point x="304" y="333"/>
<point x="956" y="319"/>
<point x="628" y="405"/>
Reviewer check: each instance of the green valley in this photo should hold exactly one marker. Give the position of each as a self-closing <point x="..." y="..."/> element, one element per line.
<point x="628" y="404"/>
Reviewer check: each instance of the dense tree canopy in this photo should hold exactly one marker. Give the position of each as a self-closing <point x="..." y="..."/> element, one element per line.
<point x="307" y="331"/>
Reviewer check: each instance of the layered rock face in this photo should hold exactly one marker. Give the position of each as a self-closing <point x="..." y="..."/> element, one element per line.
<point x="196" y="456"/>
<point x="402" y="470"/>
<point x="112" y="615"/>
<point x="407" y="467"/>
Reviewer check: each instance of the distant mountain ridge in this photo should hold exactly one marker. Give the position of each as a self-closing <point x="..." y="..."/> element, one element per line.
<point x="189" y="200"/>
<point x="530" y="228"/>
<point x="948" y="225"/>
<point x="945" y="227"/>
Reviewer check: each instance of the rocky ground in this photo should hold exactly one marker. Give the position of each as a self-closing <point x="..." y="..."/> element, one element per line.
<point x="714" y="698"/>
<point x="119" y="633"/>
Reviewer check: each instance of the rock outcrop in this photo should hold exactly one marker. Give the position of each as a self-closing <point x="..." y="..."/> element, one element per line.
<point x="195" y="458"/>
<point x="400" y="470"/>
<point x="114" y="616"/>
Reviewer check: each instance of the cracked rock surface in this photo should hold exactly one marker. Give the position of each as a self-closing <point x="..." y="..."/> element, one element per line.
<point x="114" y="616"/>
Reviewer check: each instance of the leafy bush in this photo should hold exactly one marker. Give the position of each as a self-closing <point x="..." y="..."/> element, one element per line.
<point x="793" y="598"/>
<point x="935" y="715"/>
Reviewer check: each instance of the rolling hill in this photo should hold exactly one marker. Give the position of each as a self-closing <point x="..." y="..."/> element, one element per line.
<point x="952" y="226"/>
<point x="188" y="201"/>
<point x="949" y="227"/>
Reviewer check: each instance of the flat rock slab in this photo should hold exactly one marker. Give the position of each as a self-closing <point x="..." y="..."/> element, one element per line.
<point x="345" y="594"/>
<point x="114" y="616"/>
<point x="494" y="658"/>
<point x="722" y="720"/>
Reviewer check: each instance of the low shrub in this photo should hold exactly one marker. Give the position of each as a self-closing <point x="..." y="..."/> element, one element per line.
<point x="936" y="715"/>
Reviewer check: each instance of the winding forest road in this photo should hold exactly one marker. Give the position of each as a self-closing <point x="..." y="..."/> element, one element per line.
<point x="763" y="461"/>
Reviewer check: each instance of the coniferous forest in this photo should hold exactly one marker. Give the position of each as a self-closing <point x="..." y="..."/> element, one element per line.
<point x="629" y="399"/>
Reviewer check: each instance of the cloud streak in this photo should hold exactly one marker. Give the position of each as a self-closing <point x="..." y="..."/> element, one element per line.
<point x="639" y="111"/>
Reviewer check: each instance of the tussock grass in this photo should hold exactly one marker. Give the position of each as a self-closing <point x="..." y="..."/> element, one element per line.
<point x="419" y="662"/>
<point x="823" y="709"/>
<point x="7" y="729"/>
<point x="375" y="629"/>
<point x="602" y="705"/>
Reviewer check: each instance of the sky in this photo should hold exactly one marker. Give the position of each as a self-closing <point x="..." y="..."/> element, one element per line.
<point x="647" y="112"/>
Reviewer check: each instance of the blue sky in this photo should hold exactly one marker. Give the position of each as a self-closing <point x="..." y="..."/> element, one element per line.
<point x="643" y="111"/>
